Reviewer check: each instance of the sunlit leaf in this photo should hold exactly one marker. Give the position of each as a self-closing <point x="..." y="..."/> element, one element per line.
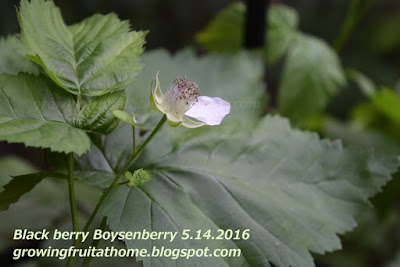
<point x="388" y="103"/>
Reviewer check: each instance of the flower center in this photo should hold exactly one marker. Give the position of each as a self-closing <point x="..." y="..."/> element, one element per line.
<point x="180" y="97"/>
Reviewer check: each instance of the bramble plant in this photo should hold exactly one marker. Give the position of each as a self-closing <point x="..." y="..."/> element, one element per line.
<point x="282" y="193"/>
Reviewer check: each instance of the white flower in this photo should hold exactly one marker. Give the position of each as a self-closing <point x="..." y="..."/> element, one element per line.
<point x="182" y="99"/>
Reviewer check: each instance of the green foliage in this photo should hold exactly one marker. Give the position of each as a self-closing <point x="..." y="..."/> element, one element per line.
<point x="282" y="25"/>
<point x="18" y="186"/>
<point x="312" y="74"/>
<point x="294" y="192"/>
<point x="10" y="61"/>
<point x="36" y="112"/>
<point x="139" y="177"/>
<point x="96" y="115"/>
<point x="380" y="113"/>
<point x="263" y="176"/>
<point x="225" y="32"/>
<point x="387" y="102"/>
<point x="366" y="85"/>
<point x="353" y="134"/>
<point x="297" y="184"/>
<point x="125" y="117"/>
<point x="14" y="167"/>
<point x="92" y="58"/>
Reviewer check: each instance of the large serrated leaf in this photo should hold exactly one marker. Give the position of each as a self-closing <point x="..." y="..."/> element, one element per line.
<point x="92" y="58"/>
<point x="294" y="192"/>
<point x="96" y="116"/>
<point x="312" y="74"/>
<point x="36" y="112"/>
<point x="10" y="61"/>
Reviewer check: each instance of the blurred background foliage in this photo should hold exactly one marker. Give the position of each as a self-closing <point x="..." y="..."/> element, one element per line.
<point x="363" y="108"/>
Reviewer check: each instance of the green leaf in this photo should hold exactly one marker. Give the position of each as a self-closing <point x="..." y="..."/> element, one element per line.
<point x="225" y="32"/>
<point x="294" y="192"/>
<point x="282" y="24"/>
<point x="237" y="79"/>
<point x="18" y="186"/>
<point x="10" y="61"/>
<point x="93" y="57"/>
<point x="12" y="166"/>
<point x="125" y="117"/>
<point x="44" y="207"/>
<point x="36" y="112"/>
<point x="387" y="102"/>
<point x="353" y="134"/>
<point x="96" y="116"/>
<point x="311" y="76"/>
<point x="140" y="176"/>
<point x="366" y="85"/>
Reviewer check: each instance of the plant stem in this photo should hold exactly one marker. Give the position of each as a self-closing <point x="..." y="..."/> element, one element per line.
<point x="75" y="225"/>
<point x="133" y="139"/>
<point x="122" y="171"/>
<point x="96" y="242"/>
<point x="355" y="12"/>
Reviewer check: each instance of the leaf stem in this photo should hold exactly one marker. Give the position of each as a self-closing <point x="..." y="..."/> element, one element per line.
<point x="75" y="225"/>
<point x="96" y="242"/>
<point x="355" y="11"/>
<point x="122" y="171"/>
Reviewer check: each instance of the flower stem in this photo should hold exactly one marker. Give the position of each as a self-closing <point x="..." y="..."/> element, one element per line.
<point x="122" y="171"/>
<point x="75" y="225"/>
<point x="96" y="242"/>
<point x="133" y="139"/>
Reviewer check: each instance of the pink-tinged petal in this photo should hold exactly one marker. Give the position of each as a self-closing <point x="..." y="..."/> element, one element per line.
<point x="210" y="110"/>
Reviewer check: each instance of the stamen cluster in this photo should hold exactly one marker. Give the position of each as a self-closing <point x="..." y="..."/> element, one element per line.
<point x="181" y="96"/>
